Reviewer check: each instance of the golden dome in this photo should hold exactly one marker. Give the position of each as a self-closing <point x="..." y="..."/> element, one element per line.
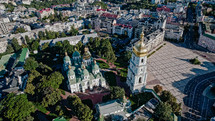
<point x="140" y="49"/>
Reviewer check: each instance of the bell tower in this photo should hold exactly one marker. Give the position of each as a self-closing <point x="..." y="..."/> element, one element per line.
<point x="137" y="70"/>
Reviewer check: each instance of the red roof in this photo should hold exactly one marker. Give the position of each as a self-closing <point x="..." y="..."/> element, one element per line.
<point x="108" y="15"/>
<point x="163" y="8"/>
<point x="101" y="10"/>
<point x="147" y="16"/>
<point x="46" y="9"/>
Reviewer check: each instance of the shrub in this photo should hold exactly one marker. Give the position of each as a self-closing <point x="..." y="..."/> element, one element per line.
<point x="195" y="61"/>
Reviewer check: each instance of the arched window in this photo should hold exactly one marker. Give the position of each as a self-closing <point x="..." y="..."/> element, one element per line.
<point x="142" y="60"/>
<point x="140" y="80"/>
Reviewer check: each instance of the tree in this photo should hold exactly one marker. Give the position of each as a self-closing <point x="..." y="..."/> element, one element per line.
<point x="41" y="35"/>
<point x="27" y="39"/>
<point x="73" y="31"/>
<point x="30" y="64"/>
<point x="116" y="92"/>
<point x="30" y="87"/>
<point x="54" y="80"/>
<point x="49" y="96"/>
<point x="16" y="107"/>
<point x="164" y="112"/>
<point x="15" y="44"/>
<point x="63" y="34"/>
<point x="158" y="89"/>
<point x="44" y="69"/>
<point x="83" y="112"/>
<point x="35" y="45"/>
<point x="46" y="45"/>
<point x="9" y="49"/>
<point x="166" y="96"/>
<point x="19" y="30"/>
<point x="59" y="110"/>
<point x="89" y="26"/>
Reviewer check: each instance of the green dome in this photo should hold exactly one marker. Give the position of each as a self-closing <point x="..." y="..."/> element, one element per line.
<point x="76" y="54"/>
<point x="66" y="58"/>
<point x="70" y="72"/>
<point x="95" y="66"/>
<point x="85" y="72"/>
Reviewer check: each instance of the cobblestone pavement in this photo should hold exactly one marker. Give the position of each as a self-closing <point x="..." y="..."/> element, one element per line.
<point x="171" y="67"/>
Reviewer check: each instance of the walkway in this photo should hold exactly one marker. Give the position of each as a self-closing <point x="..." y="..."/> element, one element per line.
<point x="170" y="67"/>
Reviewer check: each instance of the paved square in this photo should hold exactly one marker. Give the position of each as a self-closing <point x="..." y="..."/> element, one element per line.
<point x="170" y="66"/>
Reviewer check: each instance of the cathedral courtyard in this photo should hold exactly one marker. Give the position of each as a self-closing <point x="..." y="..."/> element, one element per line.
<point x="170" y="67"/>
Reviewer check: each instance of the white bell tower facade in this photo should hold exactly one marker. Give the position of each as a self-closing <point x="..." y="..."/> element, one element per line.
<point x="137" y="70"/>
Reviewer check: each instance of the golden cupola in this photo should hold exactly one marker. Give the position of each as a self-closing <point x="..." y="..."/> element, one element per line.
<point x="139" y="49"/>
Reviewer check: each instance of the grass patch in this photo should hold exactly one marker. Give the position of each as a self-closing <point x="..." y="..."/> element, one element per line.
<point x="103" y="65"/>
<point x="195" y="61"/>
<point x="41" y="108"/>
<point x="140" y="99"/>
<point x="150" y="54"/>
<point x="110" y="78"/>
<point x="159" y="48"/>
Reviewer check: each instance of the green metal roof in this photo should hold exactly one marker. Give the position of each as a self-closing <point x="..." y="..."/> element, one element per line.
<point x="76" y="54"/>
<point x="3" y="63"/>
<point x="59" y="119"/>
<point x="95" y="66"/>
<point x="70" y="72"/>
<point x="23" y="55"/>
<point x="209" y="36"/>
<point x="85" y="72"/>
<point x="66" y="58"/>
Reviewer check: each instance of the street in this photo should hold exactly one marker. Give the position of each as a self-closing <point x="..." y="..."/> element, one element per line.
<point x="198" y="107"/>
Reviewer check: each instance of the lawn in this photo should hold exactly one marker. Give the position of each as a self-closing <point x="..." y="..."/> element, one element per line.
<point x="103" y="65"/>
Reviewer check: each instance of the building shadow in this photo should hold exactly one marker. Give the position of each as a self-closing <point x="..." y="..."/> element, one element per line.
<point x="193" y="82"/>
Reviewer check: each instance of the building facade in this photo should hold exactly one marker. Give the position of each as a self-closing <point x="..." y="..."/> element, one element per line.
<point x="137" y="70"/>
<point x="45" y="12"/>
<point x="82" y="72"/>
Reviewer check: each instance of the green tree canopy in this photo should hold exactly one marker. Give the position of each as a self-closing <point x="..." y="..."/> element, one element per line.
<point x="158" y="89"/>
<point x="164" y="112"/>
<point x="30" y="64"/>
<point x="54" y="80"/>
<point x="9" y="49"/>
<point x="16" y="107"/>
<point x="15" y="44"/>
<point x="35" y="45"/>
<point x="32" y="80"/>
<point x="166" y="96"/>
<point x="83" y="112"/>
<point x="49" y="96"/>
<point x="116" y="92"/>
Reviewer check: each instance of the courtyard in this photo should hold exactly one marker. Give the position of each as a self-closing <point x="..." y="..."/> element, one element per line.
<point x="170" y="67"/>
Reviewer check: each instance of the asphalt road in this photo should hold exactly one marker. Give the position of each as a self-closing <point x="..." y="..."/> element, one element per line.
<point x="198" y="107"/>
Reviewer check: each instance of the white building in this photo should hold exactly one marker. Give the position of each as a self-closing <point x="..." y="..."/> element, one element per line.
<point x="82" y="73"/>
<point x="45" y="12"/>
<point x="137" y="70"/>
<point x="4" y="1"/>
<point x="155" y="1"/>
<point x="122" y="29"/>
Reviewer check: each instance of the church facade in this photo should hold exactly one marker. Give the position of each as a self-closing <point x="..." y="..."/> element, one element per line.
<point x="137" y="70"/>
<point x="82" y="72"/>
